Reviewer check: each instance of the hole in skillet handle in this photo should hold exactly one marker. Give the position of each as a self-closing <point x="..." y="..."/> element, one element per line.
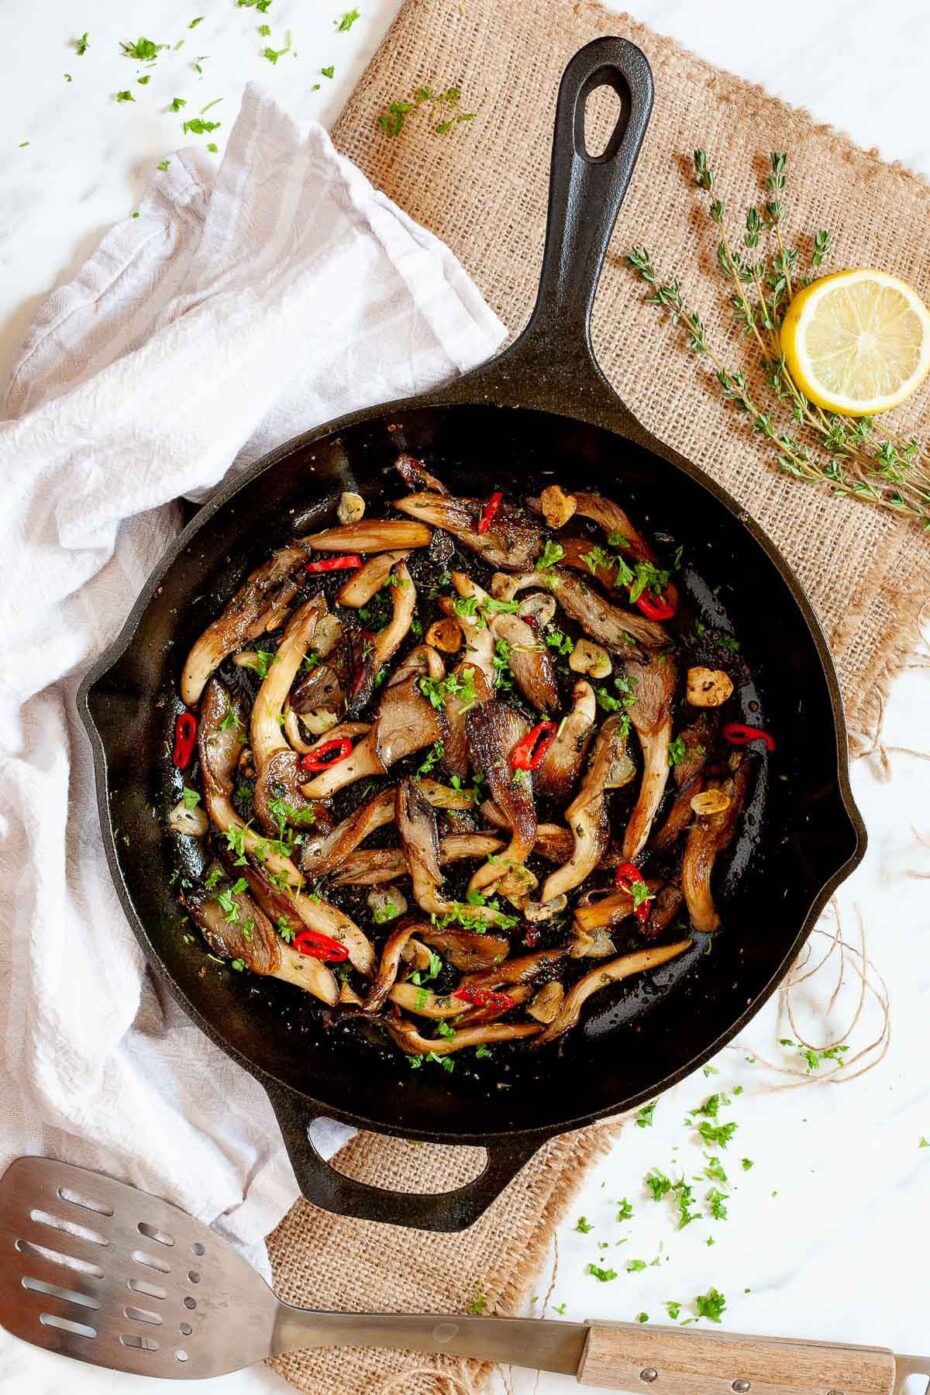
<point x="324" y="1186"/>
<point x="603" y="119"/>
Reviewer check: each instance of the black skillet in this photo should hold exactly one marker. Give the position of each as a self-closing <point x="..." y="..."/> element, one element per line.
<point x="543" y="405"/>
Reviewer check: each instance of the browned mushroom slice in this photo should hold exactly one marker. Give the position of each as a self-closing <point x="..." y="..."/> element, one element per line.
<point x="697" y="739"/>
<point x="557" y="772"/>
<point x="586" y="816"/>
<point x="513" y="541"/>
<point x="380" y="647"/>
<point x="409" y="1039"/>
<point x="425" y="1003"/>
<point x="277" y="775"/>
<point x="492" y="1011"/>
<point x="221" y="741"/>
<point x="524" y="969"/>
<point x="581" y="555"/>
<point x="235" y="928"/>
<point x="404" y="723"/>
<point x="467" y="950"/>
<point x="641" y="961"/>
<point x="332" y="669"/>
<point x="624" y="632"/>
<point x="389" y="964"/>
<point x="373" y="866"/>
<point x="320" y="854"/>
<point x="303" y="912"/>
<point x="258" y="606"/>
<point x="613" y="521"/>
<point x="494" y="729"/>
<point x="369" y="579"/>
<point x="663" y="911"/>
<point x="707" y="838"/>
<point x="479" y="641"/>
<point x="651" y="715"/>
<point x="530" y="661"/>
<point x="416" y="476"/>
<point x="416" y="828"/>
<point x="603" y="912"/>
<point x="370" y="535"/>
<point x="469" y="690"/>
<point x="553" y="842"/>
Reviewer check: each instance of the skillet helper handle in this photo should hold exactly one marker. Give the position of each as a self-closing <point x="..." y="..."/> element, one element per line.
<point x="333" y="1191"/>
<point x="585" y="190"/>
<point x="676" y="1361"/>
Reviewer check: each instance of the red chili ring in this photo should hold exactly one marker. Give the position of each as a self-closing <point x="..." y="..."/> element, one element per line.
<point x="490" y="511"/>
<point x="313" y="762"/>
<point x="185" y="740"/>
<point x="739" y="734"/>
<point x="348" y="562"/>
<point x="654" y="607"/>
<point x="485" y="997"/>
<point x="315" y="945"/>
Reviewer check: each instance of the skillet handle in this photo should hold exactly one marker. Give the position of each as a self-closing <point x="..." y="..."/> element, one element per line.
<point x="586" y="193"/>
<point x="333" y="1191"/>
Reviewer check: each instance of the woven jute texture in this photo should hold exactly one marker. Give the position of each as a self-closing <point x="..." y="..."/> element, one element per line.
<point x="482" y="189"/>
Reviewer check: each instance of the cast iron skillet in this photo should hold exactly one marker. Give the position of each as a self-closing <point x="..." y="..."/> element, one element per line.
<point x="543" y="405"/>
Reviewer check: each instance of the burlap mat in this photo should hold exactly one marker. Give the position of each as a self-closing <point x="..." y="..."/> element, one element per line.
<point x="482" y="189"/>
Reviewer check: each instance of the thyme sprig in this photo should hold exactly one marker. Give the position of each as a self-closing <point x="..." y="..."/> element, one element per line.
<point x="854" y="456"/>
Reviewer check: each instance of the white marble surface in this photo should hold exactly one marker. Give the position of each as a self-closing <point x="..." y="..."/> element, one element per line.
<point x="829" y="1230"/>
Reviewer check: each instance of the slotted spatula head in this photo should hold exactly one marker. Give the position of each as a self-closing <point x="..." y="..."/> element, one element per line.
<point x="100" y="1271"/>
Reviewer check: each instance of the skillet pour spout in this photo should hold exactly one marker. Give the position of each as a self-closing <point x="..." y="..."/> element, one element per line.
<point x="543" y="407"/>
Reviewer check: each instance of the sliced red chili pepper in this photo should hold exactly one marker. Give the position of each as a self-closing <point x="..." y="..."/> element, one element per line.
<point x="531" y="937"/>
<point x="485" y="997"/>
<point x="317" y="946"/>
<point x="347" y="562"/>
<point x="490" y="511"/>
<point x="738" y="734"/>
<point x="185" y="740"/>
<point x="626" y="876"/>
<point x="319" y="758"/>
<point x="529" y="752"/>
<point x="654" y="607"/>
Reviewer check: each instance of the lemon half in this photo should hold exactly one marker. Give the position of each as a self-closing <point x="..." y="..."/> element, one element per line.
<point x="857" y="342"/>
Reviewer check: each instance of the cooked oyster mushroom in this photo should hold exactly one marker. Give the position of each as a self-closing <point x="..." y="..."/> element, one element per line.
<point x="513" y="540"/>
<point x="626" y="966"/>
<point x="378" y="649"/>
<point x="557" y="772"/>
<point x="586" y="816"/>
<point x="416" y="827"/>
<point x="707" y="838"/>
<point x="258" y="606"/>
<point x="405" y="722"/>
<point x="373" y="535"/>
<point x="237" y="930"/>
<point x="370" y="578"/>
<point x="494" y="729"/>
<point x="651" y="715"/>
<point x="278" y="777"/>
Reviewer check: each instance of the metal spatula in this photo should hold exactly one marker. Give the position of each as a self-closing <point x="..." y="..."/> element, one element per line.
<point x="98" y="1270"/>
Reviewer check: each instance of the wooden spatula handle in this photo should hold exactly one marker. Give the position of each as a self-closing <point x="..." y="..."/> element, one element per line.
<point x="672" y="1361"/>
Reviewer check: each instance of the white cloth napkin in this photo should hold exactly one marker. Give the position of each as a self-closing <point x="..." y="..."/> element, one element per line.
<point x="233" y="312"/>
